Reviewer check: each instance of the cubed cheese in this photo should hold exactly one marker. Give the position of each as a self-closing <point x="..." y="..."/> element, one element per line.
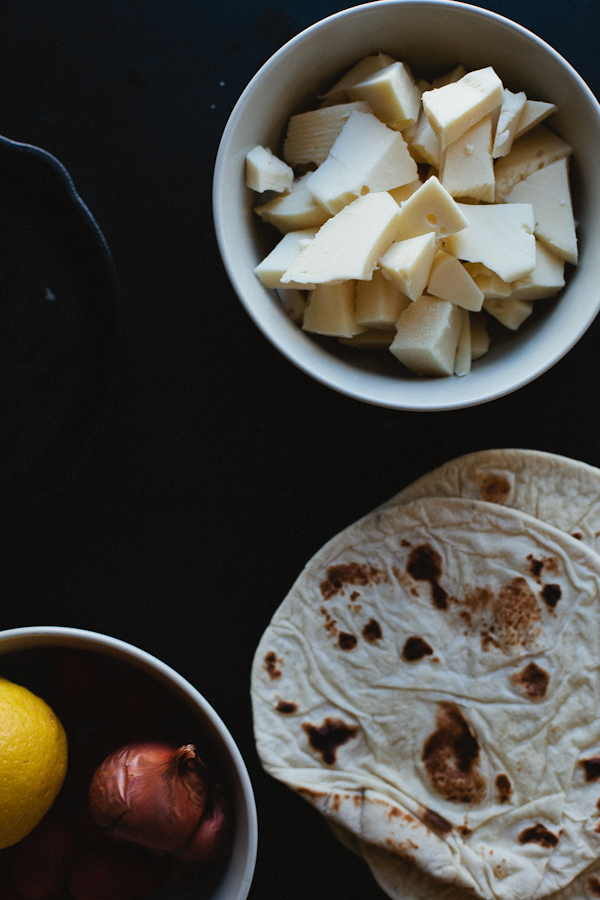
<point x="467" y="167"/>
<point x="498" y="235"/>
<point x="534" y="112"/>
<point x="428" y="332"/>
<point x="430" y="209"/>
<point x="294" y="211"/>
<point x="456" y="107"/>
<point x="451" y="281"/>
<point x="462" y="360"/>
<point x="408" y="264"/>
<point x="453" y="75"/>
<point x="533" y="151"/>
<point x="511" y="311"/>
<point x="546" y="280"/>
<point x="371" y="339"/>
<point x="331" y="310"/>
<point x="281" y="257"/>
<point x="311" y="135"/>
<point x="490" y="284"/>
<point x="480" y="339"/>
<point x="402" y="193"/>
<point x="392" y="95"/>
<point x="366" y="156"/>
<point x="365" y="67"/>
<point x="294" y="302"/>
<point x="379" y="302"/>
<point x="348" y="245"/>
<point x="508" y="122"/>
<point x="265" y="172"/>
<point x="423" y="142"/>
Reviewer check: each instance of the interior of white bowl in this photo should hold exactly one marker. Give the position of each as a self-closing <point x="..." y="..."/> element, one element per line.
<point x="237" y="877"/>
<point x="432" y="36"/>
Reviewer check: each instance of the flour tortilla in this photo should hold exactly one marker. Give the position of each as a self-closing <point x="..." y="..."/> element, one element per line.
<point x="370" y="732"/>
<point x="560" y="491"/>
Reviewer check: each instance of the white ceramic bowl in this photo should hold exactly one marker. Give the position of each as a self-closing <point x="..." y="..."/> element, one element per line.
<point x="432" y="36"/>
<point x="237" y="876"/>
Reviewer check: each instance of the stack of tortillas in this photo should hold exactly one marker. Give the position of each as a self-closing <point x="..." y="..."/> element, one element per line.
<point x="431" y="683"/>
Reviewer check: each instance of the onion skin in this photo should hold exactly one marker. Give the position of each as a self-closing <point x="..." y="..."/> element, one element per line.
<point x="211" y="835"/>
<point x="150" y="793"/>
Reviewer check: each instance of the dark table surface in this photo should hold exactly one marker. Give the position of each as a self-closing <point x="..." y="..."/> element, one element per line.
<point x="222" y="468"/>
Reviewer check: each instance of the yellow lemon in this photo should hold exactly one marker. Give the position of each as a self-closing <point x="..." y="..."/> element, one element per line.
<point x="33" y="761"/>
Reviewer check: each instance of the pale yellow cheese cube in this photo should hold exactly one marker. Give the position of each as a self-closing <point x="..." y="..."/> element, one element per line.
<point x="533" y="151"/>
<point x="423" y="142"/>
<point x="379" y="302"/>
<point x="462" y="360"/>
<point x="366" y="156"/>
<point x="508" y="122"/>
<point x="511" y="311"/>
<point x="294" y="211"/>
<point x="392" y="95"/>
<point x="311" y="135"/>
<point x="546" y="280"/>
<point x="294" y="303"/>
<point x="331" y="310"/>
<point x="500" y="236"/>
<point x="408" y="264"/>
<point x="265" y="172"/>
<point x="430" y="209"/>
<point x="371" y="339"/>
<point x="549" y="194"/>
<point x="456" y="107"/>
<point x="467" y="167"/>
<point x="273" y="266"/>
<point x="534" y="112"/>
<point x="490" y="284"/>
<point x="451" y="281"/>
<point x="428" y="332"/>
<point x="348" y="245"/>
<point x="365" y="67"/>
<point x="453" y="75"/>
<point x="480" y="339"/>
<point x="402" y="193"/>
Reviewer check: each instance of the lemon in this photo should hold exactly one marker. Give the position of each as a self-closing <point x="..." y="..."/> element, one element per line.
<point x="33" y="761"/>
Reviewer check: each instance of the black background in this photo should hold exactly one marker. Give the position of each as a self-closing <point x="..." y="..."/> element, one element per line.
<point x="222" y="468"/>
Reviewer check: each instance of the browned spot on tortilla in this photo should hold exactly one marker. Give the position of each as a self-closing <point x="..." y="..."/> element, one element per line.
<point x="272" y="664"/>
<point x="400" y="848"/>
<point x="404" y="543"/>
<point x="450" y="756"/>
<point x="347" y="641"/>
<point x="504" y="788"/>
<point x="415" y="648"/>
<point x="350" y="573"/>
<point x="286" y="708"/>
<point x="533" y="679"/>
<point x="597" y="827"/>
<point x="436" y="822"/>
<point x="311" y="794"/>
<point x="535" y="565"/>
<point x="516" y="614"/>
<point x="493" y="488"/>
<point x="577" y="535"/>
<point x="425" y="564"/>
<point x="336" y="803"/>
<point x="372" y="631"/>
<point x="330" y="622"/>
<point x="477" y="600"/>
<point x="465" y="831"/>
<point x="357" y="799"/>
<point x="592" y="768"/>
<point x="327" y="737"/>
<point x="551" y="594"/>
<point x="354" y="596"/>
<point x="488" y="640"/>
<point x="594" y="886"/>
<point x="538" y="834"/>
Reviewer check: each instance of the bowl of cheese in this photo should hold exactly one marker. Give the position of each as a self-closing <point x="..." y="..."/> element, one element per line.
<point x="405" y="199"/>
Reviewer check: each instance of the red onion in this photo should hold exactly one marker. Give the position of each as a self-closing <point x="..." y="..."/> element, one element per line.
<point x="211" y="834"/>
<point x="151" y="794"/>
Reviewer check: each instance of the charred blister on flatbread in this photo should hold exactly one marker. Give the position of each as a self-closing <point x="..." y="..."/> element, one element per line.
<point x="329" y="736"/>
<point x="591" y="768"/>
<point x="551" y="594"/>
<point x="347" y="641"/>
<point x="416" y="648"/>
<point x="538" y="834"/>
<point x="356" y="574"/>
<point x="517" y="616"/>
<point x="503" y="787"/>
<point x="536" y="566"/>
<point x="593" y="886"/>
<point x="286" y="708"/>
<point x="533" y="679"/>
<point x="330" y="622"/>
<point x="372" y="631"/>
<point x="425" y="564"/>
<point x="434" y="821"/>
<point x="577" y="535"/>
<point x="272" y="665"/>
<point x="451" y="755"/>
<point x="493" y="488"/>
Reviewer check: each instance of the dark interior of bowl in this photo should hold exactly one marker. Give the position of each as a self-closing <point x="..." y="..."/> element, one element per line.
<point x="59" y="328"/>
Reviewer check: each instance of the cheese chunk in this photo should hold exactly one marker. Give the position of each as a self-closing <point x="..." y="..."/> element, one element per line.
<point x="371" y="339"/>
<point x="311" y="135"/>
<point x="511" y="311"/>
<point x="331" y="310"/>
<point x="402" y="193"/>
<point x="365" y="67"/>
<point x="294" y="302"/>
<point x="451" y="281"/>
<point x="273" y="266"/>
<point x="534" y="112"/>
<point x="508" y="121"/>
<point x="548" y="192"/>
<point x="379" y="302"/>
<point x="293" y="211"/>
<point x="392" y="95"/>
<point x="480" y="339"/>
<point x="430" y="209"/>
<point x="462" y="360"/>
<point x="265" y="172"/>
<point x="467" y="168"/>
<point x="456" y="107"/>
<point x="348" y="245"/>
<point x="453" y="75"/>
<point x="428" y="332"/>
<point x="408" y="264"/>
<point x="490" y="284"/>
<point x="423" y="142"/>
<point x="366" y="156"/>
<point x="500" y="236"/>
<point x="546" y="280"/>
<point x="533" y="151"/>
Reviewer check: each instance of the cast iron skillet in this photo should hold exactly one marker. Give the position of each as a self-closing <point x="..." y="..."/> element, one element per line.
<point x="60" y="329"/>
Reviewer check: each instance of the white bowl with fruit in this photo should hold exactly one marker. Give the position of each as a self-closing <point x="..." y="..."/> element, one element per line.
<point x="154" y="799"/>
<point x="414" y="176"/>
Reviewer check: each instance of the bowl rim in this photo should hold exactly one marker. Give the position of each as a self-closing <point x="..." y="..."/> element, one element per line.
<point x="46" y="635"/>
<point x="316" y="362"/>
